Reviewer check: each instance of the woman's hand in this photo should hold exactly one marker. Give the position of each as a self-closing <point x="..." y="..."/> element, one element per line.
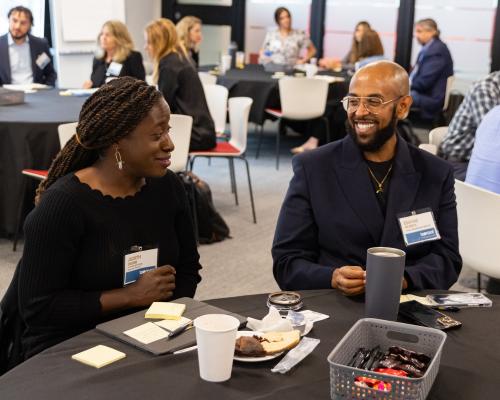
<point x="87" y="84"/>
<point x="155" y="285"/>
<point x="302" y="60"/>
<point x="329" y="63"/>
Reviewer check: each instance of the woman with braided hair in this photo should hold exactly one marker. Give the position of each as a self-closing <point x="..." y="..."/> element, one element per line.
<point x="108" y="190"/>
<point x="178" y="80"/>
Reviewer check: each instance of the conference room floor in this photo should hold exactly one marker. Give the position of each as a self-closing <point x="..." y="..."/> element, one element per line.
<point x="241" y="265"/>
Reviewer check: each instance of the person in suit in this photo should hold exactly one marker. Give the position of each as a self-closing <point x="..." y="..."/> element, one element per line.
<point x="116" y="58"/>
<point x="189" y="31"/>
<point x="178" y="80"/>
<point x="345" y="197"/>
<point x="24" y="58"/>
<point x="430" y="74"/>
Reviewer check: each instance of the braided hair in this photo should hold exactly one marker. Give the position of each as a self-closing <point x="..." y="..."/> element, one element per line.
<point x="107" y="116"/>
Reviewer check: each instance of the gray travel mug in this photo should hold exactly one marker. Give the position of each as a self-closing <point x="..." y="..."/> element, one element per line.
<point x="385" y="268"/>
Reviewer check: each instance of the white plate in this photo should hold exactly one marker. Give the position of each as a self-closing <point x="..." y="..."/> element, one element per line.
<point x="254" y="359"/>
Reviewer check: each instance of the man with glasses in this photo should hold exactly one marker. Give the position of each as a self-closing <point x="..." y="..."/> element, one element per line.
<point x="24" y="58"/>
<point x="349" y="195"/>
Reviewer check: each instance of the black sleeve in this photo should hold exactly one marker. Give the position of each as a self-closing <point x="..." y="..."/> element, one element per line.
<point x="50" y="74"/>
<point x="52" y="235"/>
<point x="168" y="84"/>
<point x="98" y="73"/>
<point x="135" y="66"/>
<point x="196" y="58"/>
<point x="187" y="270"/>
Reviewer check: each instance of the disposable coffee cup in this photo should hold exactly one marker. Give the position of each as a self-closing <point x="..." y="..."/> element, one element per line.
<point x="226" y="63"/>
<point x="311" y="70"/>
<point x="216" y="337"/>
<point x="385" y="268"/>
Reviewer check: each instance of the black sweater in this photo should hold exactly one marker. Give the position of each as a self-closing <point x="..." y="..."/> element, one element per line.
<point x="75" y="239"/>
<point x="180" y="84"/>
<point x="132" y="66"/>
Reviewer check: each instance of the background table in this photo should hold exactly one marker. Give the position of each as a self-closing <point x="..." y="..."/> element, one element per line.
<point x="252" y="81"/>
<point x="469" y="364"/>
<point x="29" y="140"/>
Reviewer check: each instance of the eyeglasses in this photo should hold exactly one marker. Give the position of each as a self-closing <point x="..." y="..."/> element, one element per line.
<point x="372" y="104"/>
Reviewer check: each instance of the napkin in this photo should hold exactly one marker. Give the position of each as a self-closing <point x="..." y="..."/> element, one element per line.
<point x="273" y="322"/>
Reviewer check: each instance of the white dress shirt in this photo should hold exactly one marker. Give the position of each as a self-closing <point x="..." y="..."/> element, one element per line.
<point x="21" y="69"/>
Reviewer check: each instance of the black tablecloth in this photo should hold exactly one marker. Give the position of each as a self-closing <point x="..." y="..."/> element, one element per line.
<point x="29" y="140"/>
<point x="469" y="364"/>
<point x="252" y="81"/>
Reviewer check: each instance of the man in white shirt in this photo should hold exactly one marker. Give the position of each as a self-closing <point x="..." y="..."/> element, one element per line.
<point x="24" y="58"/>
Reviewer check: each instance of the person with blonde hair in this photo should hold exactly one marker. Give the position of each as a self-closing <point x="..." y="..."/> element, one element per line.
<point x="116" y="56"/>
<point x="189" y="31"/>
<point x="178" y="80"/>
<point x="352" y="57"/>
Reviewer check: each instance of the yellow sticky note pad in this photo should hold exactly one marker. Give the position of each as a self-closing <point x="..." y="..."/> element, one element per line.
<point x="410" y="297"/>
<point x="171" y="324"/>
<point x="161" y="310"/>
<point x="99" y="356"/>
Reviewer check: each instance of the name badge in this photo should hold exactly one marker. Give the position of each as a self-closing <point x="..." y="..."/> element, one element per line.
<point x="275" y="45"/>
<point x="418" y="226"/>
<point x="114" y="69"/>
<point x="138" y="261"/>
<point x="43" y="60"/>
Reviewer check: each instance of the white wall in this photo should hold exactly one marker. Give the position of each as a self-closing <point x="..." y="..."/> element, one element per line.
<point x="216" y="40"/>
<point x="76" y="68"/>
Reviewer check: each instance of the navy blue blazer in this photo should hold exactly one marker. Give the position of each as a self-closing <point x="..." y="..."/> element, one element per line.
<point x="330" y="217"/>
<point x="431" y="77"/>
<point x="38" y="46"/>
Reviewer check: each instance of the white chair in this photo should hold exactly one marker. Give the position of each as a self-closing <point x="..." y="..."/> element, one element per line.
<point x="180" y="133"/>
<point x="437" y="134"/>
<point x="65" y="132"/>
<point x="301" y="99"/>
<point x="217" y="96"/>
<point x="449" y="84"/>
<point x="478" y="220"/>
<point x="239" y="110"/>
<point x="431" y="148"/>
<point x="207" y="79"/>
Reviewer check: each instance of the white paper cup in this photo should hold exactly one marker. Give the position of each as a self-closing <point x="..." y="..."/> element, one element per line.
<point x="226" y="63"/>
<point x="311" y="70"/>
<point x="216" y="338"/>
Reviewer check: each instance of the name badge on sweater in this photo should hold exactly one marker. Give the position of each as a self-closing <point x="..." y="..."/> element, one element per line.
<point x="43" y="60"/>
<point x="418" y="226"/>
<point x="114" y="69"/>
<point x="137" y="261"/>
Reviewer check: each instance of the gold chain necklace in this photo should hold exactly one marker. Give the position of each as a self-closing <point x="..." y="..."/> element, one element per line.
<point x="383" y="180"/>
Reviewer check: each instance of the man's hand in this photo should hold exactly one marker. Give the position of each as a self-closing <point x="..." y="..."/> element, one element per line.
<point x="349" y="280"/>
<point x="155" y="285"/>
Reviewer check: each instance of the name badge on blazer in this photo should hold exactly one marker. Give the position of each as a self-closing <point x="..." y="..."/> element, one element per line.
<point x="43" y="60"/>
<point x="418" y="226"/>
<point x="114" y="69"/>
<point x="137" y="261"/>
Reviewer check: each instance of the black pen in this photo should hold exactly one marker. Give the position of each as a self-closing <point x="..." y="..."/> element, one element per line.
<point x="181" y="329"/>
<point x="446" y="308"/>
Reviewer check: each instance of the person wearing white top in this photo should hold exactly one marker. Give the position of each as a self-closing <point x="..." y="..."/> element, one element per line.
<point x="285" y="43"/>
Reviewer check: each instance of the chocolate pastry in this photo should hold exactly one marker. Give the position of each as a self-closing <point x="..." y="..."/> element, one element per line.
<point x="249" y="346"/>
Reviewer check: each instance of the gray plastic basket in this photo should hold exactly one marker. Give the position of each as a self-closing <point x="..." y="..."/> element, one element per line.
<point x="370" y="332"/>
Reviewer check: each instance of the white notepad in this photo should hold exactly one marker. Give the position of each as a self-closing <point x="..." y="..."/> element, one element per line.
<point x="147" y="333"/>
<point x="162" y="310"/>
<point x="99" y="356"/>
<point x="171" y="324"/>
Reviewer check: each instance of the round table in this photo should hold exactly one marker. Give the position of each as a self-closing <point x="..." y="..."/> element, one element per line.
<point x="252" y="81"/>
<point x="469" y="364"/>
<point x="29" y="140"/>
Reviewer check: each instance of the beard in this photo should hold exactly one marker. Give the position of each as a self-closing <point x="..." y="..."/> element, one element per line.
<point x="380" y="137"/>
<point x="18" y="37"/>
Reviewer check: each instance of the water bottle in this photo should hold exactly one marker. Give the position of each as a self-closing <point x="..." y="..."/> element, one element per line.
<point x="233" y="48"/>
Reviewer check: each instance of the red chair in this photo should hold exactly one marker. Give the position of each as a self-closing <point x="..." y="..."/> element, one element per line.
<point x="65" y="131"/>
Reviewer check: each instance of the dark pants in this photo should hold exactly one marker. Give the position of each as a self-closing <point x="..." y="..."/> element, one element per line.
<point x="493" y="286"/>
<point x="460" y="170"/>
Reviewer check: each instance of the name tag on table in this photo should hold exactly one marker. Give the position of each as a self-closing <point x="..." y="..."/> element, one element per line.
<point x="115" y="68"/>
<point x="418" y="226"/>
<point x="138" y="262"/>
<point x="43" y="60"/>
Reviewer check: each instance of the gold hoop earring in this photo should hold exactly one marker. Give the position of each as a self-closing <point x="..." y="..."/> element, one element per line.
<point x="118" y="157"/>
